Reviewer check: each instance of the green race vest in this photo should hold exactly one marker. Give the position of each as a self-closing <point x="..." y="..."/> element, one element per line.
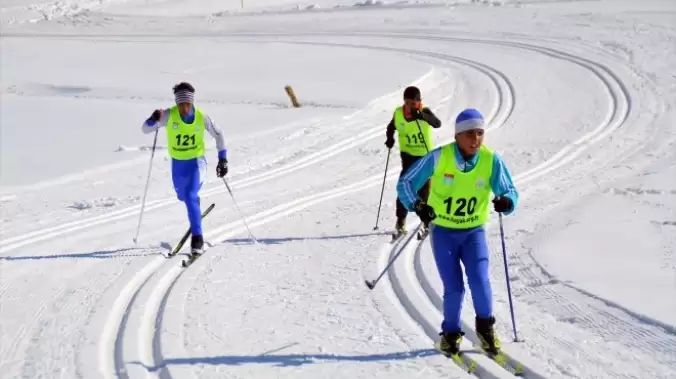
<point x="461" y="199"/>
<point x="410" y="137"/>
<point x="185" y="141"/>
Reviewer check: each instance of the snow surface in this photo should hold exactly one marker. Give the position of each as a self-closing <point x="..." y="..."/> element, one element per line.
<point x="581" y="98"/>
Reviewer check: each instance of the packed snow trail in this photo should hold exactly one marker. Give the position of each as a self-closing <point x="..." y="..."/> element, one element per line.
<point x="660" y="337"/>
<point x="577" y="121"/>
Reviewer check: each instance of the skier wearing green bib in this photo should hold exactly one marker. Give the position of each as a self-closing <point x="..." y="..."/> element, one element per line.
<point x="463" y="174"/>
<point x="185" y="126"/>
<point x="413" y="123"/>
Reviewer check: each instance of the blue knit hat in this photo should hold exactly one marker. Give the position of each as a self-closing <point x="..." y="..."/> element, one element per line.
<point x="469" y="119"/>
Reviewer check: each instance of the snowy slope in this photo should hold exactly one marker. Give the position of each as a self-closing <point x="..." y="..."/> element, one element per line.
<point x="580" y="97"/>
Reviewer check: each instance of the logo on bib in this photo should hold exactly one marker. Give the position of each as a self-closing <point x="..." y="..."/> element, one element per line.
<point x="448" y="179"/>
<point x="480" y="183"/>
<point x="175" y="126"/>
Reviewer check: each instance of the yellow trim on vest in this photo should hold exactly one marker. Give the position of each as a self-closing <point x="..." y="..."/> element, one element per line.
<point x="410" y="136"/>
<point x="185" y="141"/>
<point x="461" y="199"/>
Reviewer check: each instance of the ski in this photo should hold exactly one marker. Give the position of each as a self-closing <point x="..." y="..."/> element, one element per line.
<point x="187" y="233"/>
<point x="462" y="360"/>
<point x="503" y="361"/>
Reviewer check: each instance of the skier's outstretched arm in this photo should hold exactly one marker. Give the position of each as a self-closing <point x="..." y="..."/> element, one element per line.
<point x="217" y="133"/>
<point x="431" y="118"/>
<point x="416" y="177"/>
<point x="502" y="184"/>
<point x="157" y="119"/>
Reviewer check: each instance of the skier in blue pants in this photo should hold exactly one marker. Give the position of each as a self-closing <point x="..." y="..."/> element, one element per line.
<point x="462" y="175"/>
<point x="185" y="125"/>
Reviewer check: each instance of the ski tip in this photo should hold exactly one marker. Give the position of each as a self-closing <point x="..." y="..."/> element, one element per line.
<point x="369" y="284"/>
<point x="519" y="370"/>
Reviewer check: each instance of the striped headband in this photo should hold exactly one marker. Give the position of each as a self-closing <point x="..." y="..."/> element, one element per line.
<point x="184" y="96"/>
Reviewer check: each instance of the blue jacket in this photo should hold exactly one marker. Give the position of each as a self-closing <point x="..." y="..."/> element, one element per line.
<point x="416" y="176"/>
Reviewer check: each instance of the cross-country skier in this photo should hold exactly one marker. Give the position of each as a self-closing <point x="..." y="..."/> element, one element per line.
<point x="462" y="174"/>
<point x="185" y="125"/>
<point x="414" y="123"/>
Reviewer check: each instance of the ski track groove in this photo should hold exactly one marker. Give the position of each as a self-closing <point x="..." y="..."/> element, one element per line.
<point x="620" y="101"/>
<point x="25" y="328"/>
<point x="643" y="337"/>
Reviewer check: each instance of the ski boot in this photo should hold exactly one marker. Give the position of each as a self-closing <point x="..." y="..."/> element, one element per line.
<point x="196" y="246"/>
<point x="399" y="229"/>
<point x="450" y="343"/>
<point x="486" y="333"/>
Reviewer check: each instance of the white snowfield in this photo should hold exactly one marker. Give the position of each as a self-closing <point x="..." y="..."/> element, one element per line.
<point x="581" y="102"/>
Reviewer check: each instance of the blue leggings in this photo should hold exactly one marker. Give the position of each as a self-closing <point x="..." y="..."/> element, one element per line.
<point x="450" y="247"/>
<point x="187" y="176"/>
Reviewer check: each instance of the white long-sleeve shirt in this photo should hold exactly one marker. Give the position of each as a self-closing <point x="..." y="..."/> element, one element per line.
<point x="211" y="127"/>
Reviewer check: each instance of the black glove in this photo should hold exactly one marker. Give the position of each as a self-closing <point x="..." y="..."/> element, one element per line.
<point x="417" y="114"/>
<point x="222" y="168"/>
<point x="156" y="115"/>
<point x="389" y="143"/>
<point x="502" y="204"/>
<point x="424" y="211"/>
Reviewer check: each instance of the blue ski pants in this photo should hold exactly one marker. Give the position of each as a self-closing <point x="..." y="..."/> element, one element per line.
<point x="188" y="176"/>
<point x="450" y="248"/>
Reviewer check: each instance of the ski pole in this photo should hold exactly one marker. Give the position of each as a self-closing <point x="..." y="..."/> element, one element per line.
<point x="509" y="290"/>
<point x="239" y="211"/>
<point x="422" y="136"/>
<point x="382" y="191"/>
<point x="371" y="284"/>
<point x="145" y="192"/>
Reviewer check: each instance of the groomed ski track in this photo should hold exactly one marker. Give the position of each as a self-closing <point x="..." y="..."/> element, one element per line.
<point x="409" y="283"/>
<point x="149" y="345"/>
<point x="419" y="290"/>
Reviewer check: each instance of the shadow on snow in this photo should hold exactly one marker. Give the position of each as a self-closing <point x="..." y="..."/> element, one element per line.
<point x="289" y="360"/>
<point x="104" y="254"/>
<point x="149" y="250"/>
<point x="281" y="240"/>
